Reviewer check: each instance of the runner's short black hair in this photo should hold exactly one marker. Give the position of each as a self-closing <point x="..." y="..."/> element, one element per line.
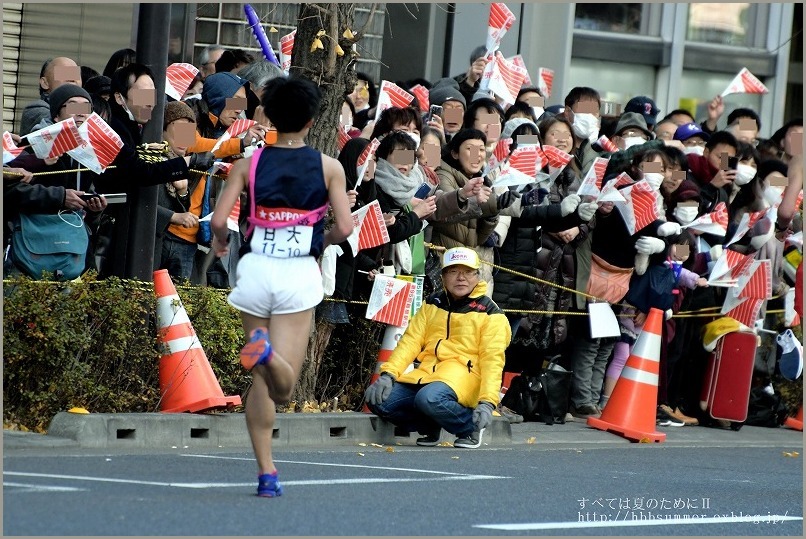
<point x="291" y="102"/>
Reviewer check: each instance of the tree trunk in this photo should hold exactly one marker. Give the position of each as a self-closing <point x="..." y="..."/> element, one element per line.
<point x="335" y="76"/>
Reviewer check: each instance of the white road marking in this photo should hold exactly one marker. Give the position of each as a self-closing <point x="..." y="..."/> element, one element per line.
<point x="629" y="523"/>
<point x="28" y="487"/>
<point x="358" y="480"/>
<point x="416" y="470"/>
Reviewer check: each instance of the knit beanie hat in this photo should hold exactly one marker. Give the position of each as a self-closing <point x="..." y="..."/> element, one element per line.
<point x="445" y="89"/>
<point x="515" y="123"/>
<point x="688" y="190"/>
<point x="176" y="110"/>
<point x="60" y="95"/>
<point x="219" y="87"/>
<point x="98" y="85"/>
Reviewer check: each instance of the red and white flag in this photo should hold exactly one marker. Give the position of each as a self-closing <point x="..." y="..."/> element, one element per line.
<point x="422" y="96"/>
<point x="369" y="229"/>
<point x="522" y="166"/>
<point x="592" y="183"/>
<point x="499" y="155"/>
<point x="178" y="78"/>
<point x="391" y="301"/>
<point x="55" y="140"/>
<point x="501" y="19"/>
<point x="745" y="83"/>
<point x="10" y="150"/>
<point x="391" y="95"/>
<point x="238" y="128"/>
<point x="519" y="61"/>
<point x="746" y="223"/>
<point x="557" y="160"/>
<point x="100" y="144"/>
<point x="607" y="144"/>
<point x="640" y="207"/>
<point x="715" y="223"/>
<point x="545" y="78"/>
<point x="728" y="268"/>
<point x="744" y="302"/>
<point x="342" y="138"/>
<point x="286" y="48"/>
<point x="363" y="160"/>
<point x="506" y="79"/>
<point x="221" y="168"/>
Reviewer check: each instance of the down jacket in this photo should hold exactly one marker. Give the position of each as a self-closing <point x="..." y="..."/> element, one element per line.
<point x="460" y="343"/>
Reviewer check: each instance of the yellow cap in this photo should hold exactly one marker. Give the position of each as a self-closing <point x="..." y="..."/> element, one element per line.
<point x="461" y="256"/>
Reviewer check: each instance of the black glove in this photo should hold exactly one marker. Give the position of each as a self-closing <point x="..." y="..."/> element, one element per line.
<point x="535" y="196"/>
<point x="506" y="199"/>
<point x="492" y="240"/>
<point x="201" y="161"/>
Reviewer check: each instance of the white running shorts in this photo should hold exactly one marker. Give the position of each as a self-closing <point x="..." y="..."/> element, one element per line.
<point x="266" y="286"/>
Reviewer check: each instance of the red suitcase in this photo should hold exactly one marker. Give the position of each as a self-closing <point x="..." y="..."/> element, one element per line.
<point x="726" y="388"/>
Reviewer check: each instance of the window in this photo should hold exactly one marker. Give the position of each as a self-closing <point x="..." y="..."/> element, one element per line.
<point x="609" y="17"/>
<point x="698" y="88"/>
<point x="616" y="82"/>
<point x="725" y="24"/>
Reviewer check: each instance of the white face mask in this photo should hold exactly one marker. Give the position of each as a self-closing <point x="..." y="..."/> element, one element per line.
<point x="696" y="150"/>
<point x="538" y="111"/>
<point x="586" y="125"/>
<point x="632" y="141"/>
<point x="128" y="112"/>
<point x="772" y="195"/>
<point x="654" y="179"/>
<point x="415" y="137"/>
<point x="685" y="214"/>
<point x="744" y="173"/>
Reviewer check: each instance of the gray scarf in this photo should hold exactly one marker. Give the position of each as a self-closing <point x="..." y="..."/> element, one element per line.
<point x="401" y="188"/>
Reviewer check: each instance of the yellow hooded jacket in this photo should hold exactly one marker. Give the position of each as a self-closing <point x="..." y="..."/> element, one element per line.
<point x="460" y="343"/>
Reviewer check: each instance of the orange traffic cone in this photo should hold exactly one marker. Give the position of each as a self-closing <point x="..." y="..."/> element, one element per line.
<point x="187" y="382"/>
<point x="631" y="410"/>
<point x="390" y="338"/>
<point x="795" y="422"/>
<point x="506" y="380"/>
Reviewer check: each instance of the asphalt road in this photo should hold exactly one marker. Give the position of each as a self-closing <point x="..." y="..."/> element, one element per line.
<point x="526" y="489"/>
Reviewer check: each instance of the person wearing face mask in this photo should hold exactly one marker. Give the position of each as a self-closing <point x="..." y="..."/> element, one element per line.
<point x="582" y="106"/>
<point x="710" y="170"/>
<point x="631" y="130"/>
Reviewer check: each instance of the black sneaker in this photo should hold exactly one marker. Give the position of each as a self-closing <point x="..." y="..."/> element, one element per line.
<point x="429" y="440"/>
<point x="666" y="420"/>
<point x="470" y="442"/>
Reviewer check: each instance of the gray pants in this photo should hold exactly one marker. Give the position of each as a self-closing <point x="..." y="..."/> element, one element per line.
<point x="589" y="360"/>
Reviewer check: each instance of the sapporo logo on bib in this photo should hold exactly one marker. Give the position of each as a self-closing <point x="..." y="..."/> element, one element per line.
<point x="284" y="242"/>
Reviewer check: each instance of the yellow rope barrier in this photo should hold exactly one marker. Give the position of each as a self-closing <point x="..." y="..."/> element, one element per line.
<point x="52" y="172"/>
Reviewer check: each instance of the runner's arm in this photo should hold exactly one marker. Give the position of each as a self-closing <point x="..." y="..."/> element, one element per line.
<point x="236" y="183"/>
<point x="337" y="195"/>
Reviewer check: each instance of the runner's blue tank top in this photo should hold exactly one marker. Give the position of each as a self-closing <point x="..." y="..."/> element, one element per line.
<point x="291" y="180"/>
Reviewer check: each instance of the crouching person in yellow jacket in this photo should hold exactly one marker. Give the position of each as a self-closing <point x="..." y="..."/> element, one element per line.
<point x="456" y="342"/>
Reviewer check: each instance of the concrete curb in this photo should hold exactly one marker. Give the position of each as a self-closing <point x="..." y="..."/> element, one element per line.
<point x="155" y="430"/>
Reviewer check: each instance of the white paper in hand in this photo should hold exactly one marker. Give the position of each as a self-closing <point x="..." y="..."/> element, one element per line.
<point x="603" y="321"/>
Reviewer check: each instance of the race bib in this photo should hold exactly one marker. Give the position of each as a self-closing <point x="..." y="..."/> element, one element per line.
<point x="286" y="242"/>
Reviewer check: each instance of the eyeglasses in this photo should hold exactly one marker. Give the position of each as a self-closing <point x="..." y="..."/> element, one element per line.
<point x="634" y="134"/>
<point x="559" y="135"/>
<point x="456" y="272"/>
<point x="693" y="142"/>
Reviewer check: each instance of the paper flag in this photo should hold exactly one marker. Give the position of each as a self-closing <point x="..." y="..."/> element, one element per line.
<point x="232" y="219"/>
<point x="603" y="321"/>
<point x="506" y="79"/>
<point x="422" y="96"/>
<point x="545" y="78"/>
<point x="743" y="303"/>
<point x="592" y="183"/>
<point x="391" y="300"/>
<point x="10" y="150"/>
<point x="221" y="168"/>
<point x="518" y="61"/>
<point x="556" y="159"/>
<point x="499" y="155"/>
<point x="522" y="167"/>
<point x="715" y="223"/>
<point x="607" y="144"/>
<point x="610" y="193"/>
<point x="391" y="95"/>
<point x="178" y="78"/>
<point x="342" y="138"/>
<point x="729" y="266"/>
<point x="640" y="207"/>
<point x="100" y="144"/>
<point x="286" y="47"/>
<point x="746" y="223"/>
<point x="369" y="229"/>
<point x="239" y="127"/>
<point x="745" y="83"/>
<point x="55" y="140"/>
<point x="363" y="159"/>
<point x="501" y="19"/>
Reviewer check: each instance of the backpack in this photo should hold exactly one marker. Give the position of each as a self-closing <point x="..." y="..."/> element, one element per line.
<point x="765" y="410"/>
<point x="52" y="243"/>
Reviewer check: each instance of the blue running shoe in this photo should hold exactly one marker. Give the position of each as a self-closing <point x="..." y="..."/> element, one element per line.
<point x="258" y="350"/>
<point x="268" y="486"/>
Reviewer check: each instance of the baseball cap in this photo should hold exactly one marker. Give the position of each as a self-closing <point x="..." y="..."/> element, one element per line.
<point x="461" y="256"/>
<point x="686" y="131"/>
<point x="645" y="107"/>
